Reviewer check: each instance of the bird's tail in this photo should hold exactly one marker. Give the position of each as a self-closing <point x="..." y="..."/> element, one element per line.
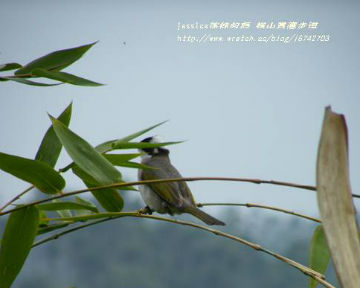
<point x="206" y="218"/>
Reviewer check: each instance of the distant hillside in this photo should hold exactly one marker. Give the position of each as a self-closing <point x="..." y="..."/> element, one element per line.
<point x="139" y="253"/>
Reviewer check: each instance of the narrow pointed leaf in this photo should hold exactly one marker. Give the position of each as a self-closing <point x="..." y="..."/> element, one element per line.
<point x="141" y="145"/>
<point x="28" y="82"/>
<point x="19" y="235"/>
<point x="335" y="201"/>
<point x="9" y="66"/>
<point x="139" y="133"/>
<point x="38" y="173"/>
<point x="91" y="162"/>
<point x="64" y="77"/>
<point x="68" y="205"/>
<point x="118" y="159"/>
<point x="319" y="254"/>
<point x="51" y="228"/>
<point x="84" y="202"/>
<point x="64" y="213"/>
<point x="131" y="164"/>
<point x="107" y="146"/>
<point x="57" y="60"/>
<point x="50" y="146"/>
<point x="42" y="216"/>
<point x="81" y="200"/>
<point x="109" y="199"/>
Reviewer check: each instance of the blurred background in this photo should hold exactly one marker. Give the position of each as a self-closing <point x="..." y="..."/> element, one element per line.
<point x="246" y="109"/>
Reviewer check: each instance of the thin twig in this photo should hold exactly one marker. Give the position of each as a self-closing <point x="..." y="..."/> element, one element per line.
<point x="251" y="205"/>
<point x="248" y="205"/>
<point x="188" y="179"/>
<point x="56" y="236"/>
<point x="136" y="183"/>
<point x="16" y="197"/>
<point x="312" y="273"/>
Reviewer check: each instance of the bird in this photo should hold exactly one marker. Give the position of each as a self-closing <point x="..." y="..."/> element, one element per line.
<point x="168" y="197"/>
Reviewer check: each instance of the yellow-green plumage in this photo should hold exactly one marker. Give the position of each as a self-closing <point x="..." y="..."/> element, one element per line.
<point x="169" y="197"/>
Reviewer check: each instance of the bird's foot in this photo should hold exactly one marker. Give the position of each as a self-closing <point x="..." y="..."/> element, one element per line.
<point x="145" y="210"/>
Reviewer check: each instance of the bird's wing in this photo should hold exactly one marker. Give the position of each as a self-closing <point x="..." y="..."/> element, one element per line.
<point x="186" y="192"/>
<point x="168" y="191"/>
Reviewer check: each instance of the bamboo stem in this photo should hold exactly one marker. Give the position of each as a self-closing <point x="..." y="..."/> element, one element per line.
<point x="251" y="205"/>
<point x="111" y="215"/>
<point x="188" y="179"/>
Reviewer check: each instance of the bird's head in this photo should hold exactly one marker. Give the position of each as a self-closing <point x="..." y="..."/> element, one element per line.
<point x="156" y="150"/>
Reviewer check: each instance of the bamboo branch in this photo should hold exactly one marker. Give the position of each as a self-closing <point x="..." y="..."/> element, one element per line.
<point x="251" y="205"/>
<point x="111" y="215"/>
<point x="56" y="236"/>
<point x="188" y="179"/>
<point x="16" y="197"/>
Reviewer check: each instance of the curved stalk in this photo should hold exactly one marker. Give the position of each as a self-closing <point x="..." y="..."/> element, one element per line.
<point x="111" y="215"/>
<point x="252" y="205"/>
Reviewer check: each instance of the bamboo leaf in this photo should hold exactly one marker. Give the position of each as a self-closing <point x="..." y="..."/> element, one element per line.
<point x="319" y="254"/>
<point x="109" y="199"/>
<point x="81" y="200"/>
<point x="84" y="202"/>
<point x="57" y="60"/>
<point x="50" y="146"/>
<point x="42" y="216"/>
<point x="27" y="82"/>
<point x="50" y="228"/>
<point x="140" y="145"/>
<point x="107" y="146"/>
<point x="64" y="77"/>
<point x="66" y="205"/>
<point x="19" y="235"/>
<point x="38" y="173"/>
<point x="9" y="66"/>
<point x="134" y="165"/>
<point x="91" y="162"/>
<point x="118" y="159"/>
<point x="335" y="201"/>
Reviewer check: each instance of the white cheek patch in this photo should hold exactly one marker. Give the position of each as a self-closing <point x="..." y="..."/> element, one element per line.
<point x="157" y="139"/>
<point x="145" y="157"/>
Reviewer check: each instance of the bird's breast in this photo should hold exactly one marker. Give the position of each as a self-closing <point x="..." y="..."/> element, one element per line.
<point x="151" y="199"/>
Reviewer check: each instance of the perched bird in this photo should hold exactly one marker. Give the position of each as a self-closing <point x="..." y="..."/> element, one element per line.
<point x="169" y="197"/>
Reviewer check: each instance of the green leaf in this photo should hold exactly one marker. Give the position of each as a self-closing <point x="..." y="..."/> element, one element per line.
<point x="50" y="228"/>
<point x="84" y="202"/>
<point x="81" y="200"/>
<point x="27" y="82"/>
<point x="43" y="222"/>
<point x="91" y="162"/>
<point x="319" y="254"/>
<point x="19" y="235"/>
<point x="50" y="146"/>
<point x="66" y="205"/>
<point x="64" y="213"/>
<point x="107" y="146"/>
<point x="136" y="165"/>
<point x="140" y="145"/>
<point x="64" y="77"/>
<point x="9" y="66"/>
<point x="38" y="173"/>
<point x="57" y="60"/>
<point x="118" y="159"/>
<point x="108" y="198"/>
<point x="129" y="164"/>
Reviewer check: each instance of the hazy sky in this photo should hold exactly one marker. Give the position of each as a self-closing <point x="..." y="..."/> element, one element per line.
<point x="246" y="109"/>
